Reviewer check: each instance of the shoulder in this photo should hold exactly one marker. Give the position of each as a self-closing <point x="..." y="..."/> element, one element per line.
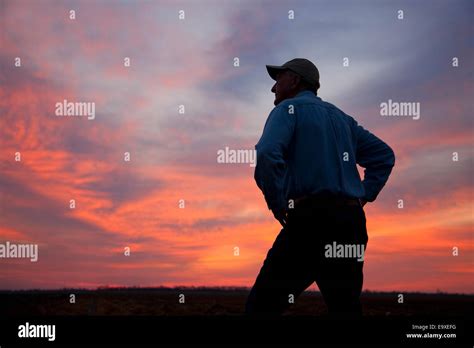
<point x="335" y="111"/>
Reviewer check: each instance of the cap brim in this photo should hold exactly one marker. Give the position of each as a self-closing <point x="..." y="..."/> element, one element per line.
<point x="273" y="70"/>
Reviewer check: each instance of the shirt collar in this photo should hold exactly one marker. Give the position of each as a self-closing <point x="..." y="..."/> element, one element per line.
<point x="306" y="94"/>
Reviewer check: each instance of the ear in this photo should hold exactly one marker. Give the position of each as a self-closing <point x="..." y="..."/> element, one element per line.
<point x="296" y="81"/>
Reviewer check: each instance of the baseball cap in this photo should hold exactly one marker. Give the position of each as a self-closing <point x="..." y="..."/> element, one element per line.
<point x="302" y="66"/>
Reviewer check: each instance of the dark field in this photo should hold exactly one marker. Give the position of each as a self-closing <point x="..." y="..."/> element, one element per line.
<point x="212" y="302"/>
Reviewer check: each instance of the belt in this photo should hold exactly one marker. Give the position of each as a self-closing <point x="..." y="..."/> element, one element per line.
<point x="327" y="200"/>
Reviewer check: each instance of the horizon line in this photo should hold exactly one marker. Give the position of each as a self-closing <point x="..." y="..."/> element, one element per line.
<point x="220" y="288"/>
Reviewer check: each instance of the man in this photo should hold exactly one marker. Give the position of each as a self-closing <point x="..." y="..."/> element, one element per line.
<point x="306" y="169"/>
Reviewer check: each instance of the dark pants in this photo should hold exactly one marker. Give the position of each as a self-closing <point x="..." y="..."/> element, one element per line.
<point x="299" y="256"/>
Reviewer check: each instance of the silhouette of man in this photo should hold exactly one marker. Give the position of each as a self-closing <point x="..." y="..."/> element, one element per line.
<point x="306" y="169"/>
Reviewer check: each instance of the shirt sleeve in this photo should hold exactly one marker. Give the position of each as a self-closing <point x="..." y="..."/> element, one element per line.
<point x="376" y="157"/>
<point x="271" y="152"/>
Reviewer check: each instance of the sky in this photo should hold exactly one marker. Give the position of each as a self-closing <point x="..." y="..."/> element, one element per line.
<point x="181" y="213"/>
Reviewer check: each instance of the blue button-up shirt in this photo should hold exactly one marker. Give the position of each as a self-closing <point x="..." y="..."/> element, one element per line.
<point x="310" y="146"/>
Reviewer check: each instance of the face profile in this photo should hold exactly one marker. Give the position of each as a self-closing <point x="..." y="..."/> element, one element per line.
<point x="285" y="86"/>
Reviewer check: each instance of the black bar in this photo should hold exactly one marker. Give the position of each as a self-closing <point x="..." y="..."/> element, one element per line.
<point x="216" y="330"/>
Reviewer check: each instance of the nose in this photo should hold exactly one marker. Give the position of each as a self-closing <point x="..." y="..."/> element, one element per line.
<point x="273" y="88"/>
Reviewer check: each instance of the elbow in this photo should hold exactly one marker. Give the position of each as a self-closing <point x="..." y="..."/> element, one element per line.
<point x="390" y="157"/>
